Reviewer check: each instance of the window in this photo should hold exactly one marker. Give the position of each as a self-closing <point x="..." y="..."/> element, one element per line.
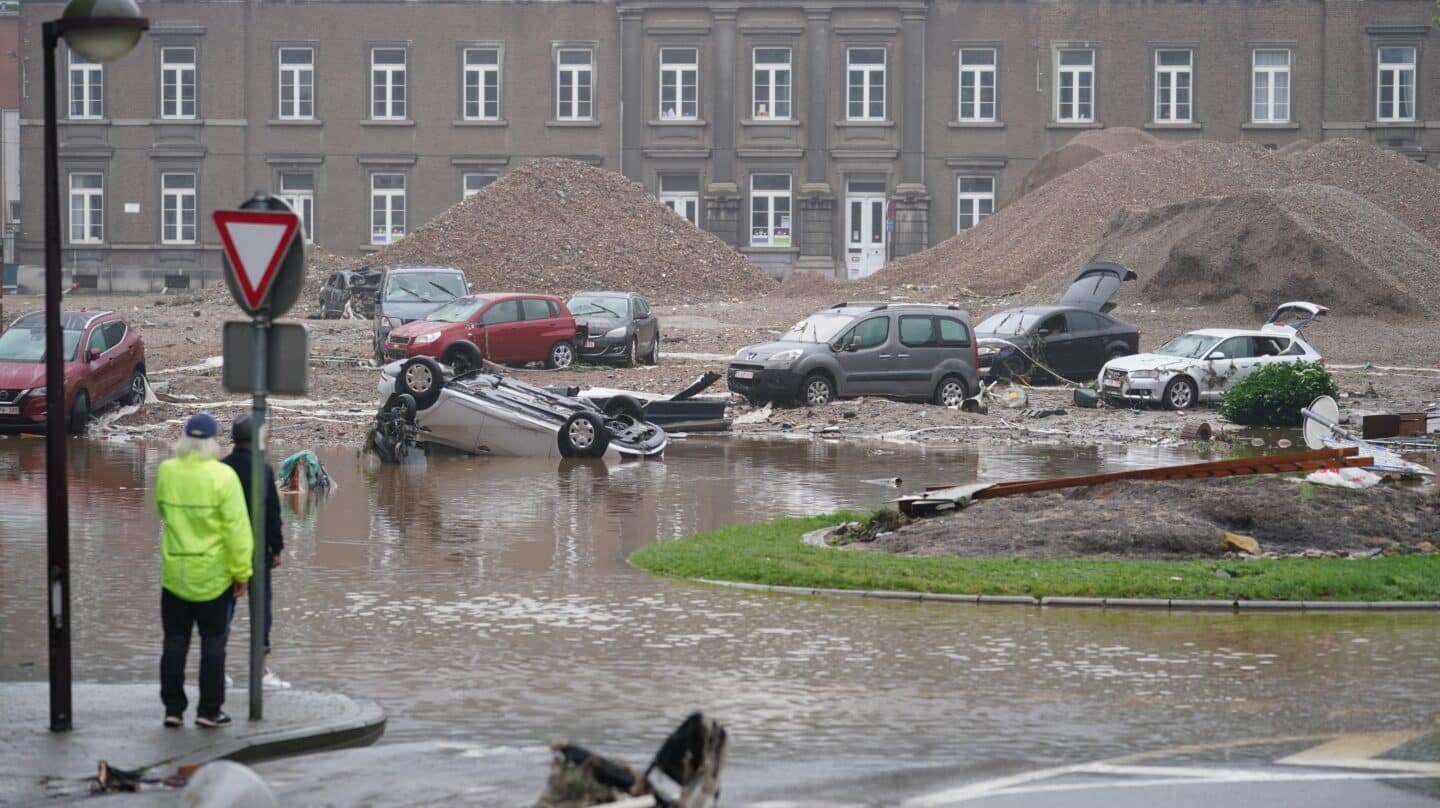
<point x="953" y="333"/>
<point x="772" y="84"/>
<point x="297" y="84"/>
<point x="98" y="341"/>
<point x="482" y="84"/>
<point x="977" y="84"/>
<point x="536" y="309"/>
<point x="387" y="84"/>
<point x="387" y="208"/>
<point x="1397" y="85"/>
<point x="506" y="311"/>
<point x="1054" y="324"/>
<point x="177" y="206"/>
<point x="681" y="193"/>
<point x="114" y="333"/>
<point x="916" y="331"/>
<point x="679" y="84"/>
<point x="1236" y="348"/>
<point x="866" y="68"/>
<point x="177" y="82"/>
<point x="297" y="189"/>
<point x="1172" y="85"/>
<point x="1081" y="321"/>
<point x="1075" y="86"/>
<point x="473" y="183"/>
<point x="87" y="88"/>
<point x="872" y="332"/>
<point x="574" y="75"/>
<point x="87" y="208"/>
<point x="770" y="210"/>
<point x="975" y="200"/>
<point x="1271" y="87"/>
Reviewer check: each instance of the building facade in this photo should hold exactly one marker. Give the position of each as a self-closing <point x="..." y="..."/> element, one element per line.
<point x="826" y="135"/>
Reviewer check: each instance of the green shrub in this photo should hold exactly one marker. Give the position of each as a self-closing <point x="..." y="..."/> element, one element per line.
<point x="1274" y="394"/>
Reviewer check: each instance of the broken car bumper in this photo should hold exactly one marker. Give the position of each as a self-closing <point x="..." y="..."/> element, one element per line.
<point x="760" y="382"/>
<point x="1114" y="384"/>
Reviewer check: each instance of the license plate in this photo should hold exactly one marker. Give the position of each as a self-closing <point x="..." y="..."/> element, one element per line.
<point x="744" y="374"/>
<point x="589" y="343"/>
<point x="1112" y="376"/>
<point x="9" y="410"/>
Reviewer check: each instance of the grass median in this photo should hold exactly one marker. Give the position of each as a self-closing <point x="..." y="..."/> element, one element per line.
<point x="772" y="553"/>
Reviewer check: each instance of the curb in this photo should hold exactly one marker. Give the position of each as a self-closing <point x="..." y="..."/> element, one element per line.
<point x="1253" y="606"/>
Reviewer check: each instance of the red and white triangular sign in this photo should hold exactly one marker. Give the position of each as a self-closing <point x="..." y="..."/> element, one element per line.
<point x="255" y="241"/>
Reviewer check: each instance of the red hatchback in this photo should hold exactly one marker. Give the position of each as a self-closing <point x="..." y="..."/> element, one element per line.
<point x="504" y="327"/>
<point x="104" y="363"/>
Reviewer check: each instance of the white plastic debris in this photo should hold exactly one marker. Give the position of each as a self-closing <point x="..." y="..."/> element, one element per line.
<point x="1343" y="478"/>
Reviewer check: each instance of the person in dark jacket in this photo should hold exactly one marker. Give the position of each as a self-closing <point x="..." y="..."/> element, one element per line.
<point x="242" y="433"/>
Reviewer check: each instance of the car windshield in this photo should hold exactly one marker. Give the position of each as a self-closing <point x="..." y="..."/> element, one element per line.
<point x="1193" y="346"/>
<point x="1007" y="323"/>
<point x="425" y="287"/>
<point x="456" y="311"/>
<point x="822" y="327"/>
<point x="598" y="306"/>
<point x="25" y="340"/>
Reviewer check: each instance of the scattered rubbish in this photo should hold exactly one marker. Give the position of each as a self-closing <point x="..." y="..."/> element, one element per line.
<point x="888" y="482"/>
<point x="684" y="772"/>
<point x="1238" y="543"/>
<point x="303" y="472"/>
<point x="1044" y="413"/>
<point x="1394" y="425"/>
<point x="1014" y="397"/>
<point x="759" y="416"/>
<point x="1258" y="443"/>
<point x="1197" y="430"/>
<point x="1087" y="398"/>
<point x="1322" y="429"/>
<point x="1344" y="478"/>
<point x="110" y="779"/>
<point x="1284" y="443"/>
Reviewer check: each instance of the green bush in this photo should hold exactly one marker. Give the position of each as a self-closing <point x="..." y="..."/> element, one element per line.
<point x="1274" y="394"/>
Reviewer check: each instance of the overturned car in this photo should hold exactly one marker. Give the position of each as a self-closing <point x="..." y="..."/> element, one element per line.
<point x="488" y="414"/>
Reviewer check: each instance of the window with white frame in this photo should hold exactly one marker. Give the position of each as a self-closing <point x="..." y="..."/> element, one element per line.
<point x="472" y="184"/>
<point x="387" y="84"/>
<point x="297" y="189"/>
<point x="770" y="223"/>
<point x="977" y="84"/>
<point x="574" y="79"/>
<point x="975" y="199"/>
<point x="387" y="208"/>
<point x="177" y="82"/>
<point x="482" y="84"/>
<point x="772" y="84"/>
<point x="87" y="208"/>
<point x="681" y="193"/>
<point x="87" y="88"/>
<point x="297" y="84"/>
<point x="1173" y="84"/>
<point x="1271" y="87"/>
<point x="1075" y="86"/>
<point x="679" y="84"/>
<point x="177" y="208"/>
<point x="1396" y="91"/>
<point x="865" y="68"/>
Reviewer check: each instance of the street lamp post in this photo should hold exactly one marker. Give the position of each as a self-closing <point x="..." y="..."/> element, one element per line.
<point x="101" y="31"/>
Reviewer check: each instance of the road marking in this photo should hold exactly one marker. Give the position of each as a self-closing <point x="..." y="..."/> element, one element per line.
<point x="1361" y="750"/>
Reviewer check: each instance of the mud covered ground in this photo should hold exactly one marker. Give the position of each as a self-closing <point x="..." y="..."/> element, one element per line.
<point x="1176" y="520"/>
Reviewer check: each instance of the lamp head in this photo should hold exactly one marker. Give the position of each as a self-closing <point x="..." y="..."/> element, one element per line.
<point x="102" y="30"/>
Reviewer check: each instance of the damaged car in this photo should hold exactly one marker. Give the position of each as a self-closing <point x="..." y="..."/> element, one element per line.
<point x="1201" y="365"/>
<point x="488" y="414"/>
<point x="1072" y="338"/>
<point x="411" y="293"/>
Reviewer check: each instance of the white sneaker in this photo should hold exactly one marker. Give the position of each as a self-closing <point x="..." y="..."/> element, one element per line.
<point x="273" y="682"/>
<point x="229" y="683"/>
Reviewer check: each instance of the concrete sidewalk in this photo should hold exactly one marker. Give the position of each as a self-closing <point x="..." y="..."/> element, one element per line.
<point x="122" y="725"/>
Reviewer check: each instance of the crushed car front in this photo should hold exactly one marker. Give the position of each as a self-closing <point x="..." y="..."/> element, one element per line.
<point x="1142" y="377"/>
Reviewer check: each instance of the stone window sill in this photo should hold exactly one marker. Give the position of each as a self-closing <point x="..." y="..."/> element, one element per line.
<point x="1271" y="125"/>
<point x="387" y="122"/>
<point x="84" y="121"/>
<point x="481" y="122"/>
<point x="591" y="124"/>
<point x="1075" y="125"/>
<point x="1395" y="125"/>
<point x="1183" y="126"/>
<point x="676" y="122"/>
<point x="782" y="122"/>
<point x="976" y="124"/>
<point x="295" y="122"/>
<point x="178" y="122"/>
<point x="847" y="124"/>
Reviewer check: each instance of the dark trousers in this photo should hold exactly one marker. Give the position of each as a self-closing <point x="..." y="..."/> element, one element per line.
<point x="212" y="617"/>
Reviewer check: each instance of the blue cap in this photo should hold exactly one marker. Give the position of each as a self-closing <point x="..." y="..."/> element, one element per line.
<point x="201" y="425"/>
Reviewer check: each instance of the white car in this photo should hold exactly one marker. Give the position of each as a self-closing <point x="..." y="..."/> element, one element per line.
<point x="1202" y="365"/>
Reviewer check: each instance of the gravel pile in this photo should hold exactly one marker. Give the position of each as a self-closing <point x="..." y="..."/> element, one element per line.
<point x="1080" y="150"/>
<point x="1040" y="239"/>
<point x="559" y="226"/>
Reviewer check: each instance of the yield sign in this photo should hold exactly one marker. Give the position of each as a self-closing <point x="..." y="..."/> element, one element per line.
<point x="255" y="242"/>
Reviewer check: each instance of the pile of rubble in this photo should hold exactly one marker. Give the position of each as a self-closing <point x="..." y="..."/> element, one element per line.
<point x="560" y="226"/>
<point x="1040" y="239"/>
<point x="1080" y="150"/>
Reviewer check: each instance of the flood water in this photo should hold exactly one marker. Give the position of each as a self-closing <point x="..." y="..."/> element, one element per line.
<point x="489" y="600"/>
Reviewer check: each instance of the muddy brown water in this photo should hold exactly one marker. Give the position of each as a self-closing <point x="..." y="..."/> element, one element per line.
<point x="489" y="600"/>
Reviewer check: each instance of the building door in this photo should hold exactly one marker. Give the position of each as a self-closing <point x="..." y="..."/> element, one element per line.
<point x="865" y="229"/>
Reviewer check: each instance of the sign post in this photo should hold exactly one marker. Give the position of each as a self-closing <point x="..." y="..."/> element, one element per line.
<point x="260" y="244"/>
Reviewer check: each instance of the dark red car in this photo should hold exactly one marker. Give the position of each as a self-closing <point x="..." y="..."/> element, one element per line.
<point x="104" y="363"/>
<point x="506" y="327"/>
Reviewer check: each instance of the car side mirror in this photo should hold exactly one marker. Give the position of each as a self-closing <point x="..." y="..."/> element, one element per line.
<point x="1216" y="355"/>
<point x="855" y="343"/>
<point x="1044" y="332"/>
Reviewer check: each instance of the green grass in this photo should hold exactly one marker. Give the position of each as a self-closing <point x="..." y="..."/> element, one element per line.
<point x="771" y="553"/>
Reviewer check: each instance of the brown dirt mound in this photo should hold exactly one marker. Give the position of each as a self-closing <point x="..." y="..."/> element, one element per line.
<point x="1041" y="239"/>
<point x="558" y="226"/>
<point x="1080" y="150"/>
<point x="810" y="284"/>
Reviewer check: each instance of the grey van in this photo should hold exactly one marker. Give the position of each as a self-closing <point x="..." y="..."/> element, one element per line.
<point x="898" y="350"/>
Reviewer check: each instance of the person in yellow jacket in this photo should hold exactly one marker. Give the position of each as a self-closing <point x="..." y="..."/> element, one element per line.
<point x="206" y="546"/>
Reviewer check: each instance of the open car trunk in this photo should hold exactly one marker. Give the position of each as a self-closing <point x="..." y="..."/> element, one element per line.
<point x="1296" y="315"/>
<point x="1097" y="282"/>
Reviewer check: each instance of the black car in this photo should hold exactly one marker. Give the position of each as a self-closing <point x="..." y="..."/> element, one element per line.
<point x="355" y="289"/>
<point x="620" y="327"/>
<point x="1073" y="338"/>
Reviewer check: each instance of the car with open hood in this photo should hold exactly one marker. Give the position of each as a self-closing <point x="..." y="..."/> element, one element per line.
<point x="409" y="293"/>
<point x="1072" y="338"/>
<point x="104" y="364"/>
<point x="619" y="327"/>
<point x="1201" y="365"/>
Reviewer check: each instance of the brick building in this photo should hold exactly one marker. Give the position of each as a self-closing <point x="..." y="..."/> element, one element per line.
<point x="828" y="135"/>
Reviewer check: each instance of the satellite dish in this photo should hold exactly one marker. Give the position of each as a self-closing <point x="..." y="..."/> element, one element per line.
<point x="1322" y="418"/>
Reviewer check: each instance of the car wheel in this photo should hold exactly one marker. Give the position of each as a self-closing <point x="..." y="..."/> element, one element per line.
<point x="583" y="435"/>
<point x="653" y="358"/>
<point x="136" y="393"/>
<point x="624" y="405"/>
<point x="632" y="351"/>
<point x="562" y="355"/>
<point x="951" y="391"/>
<point x="818" y="390"/>
<point x="422" y="378"/>
<point x="1180" y="393"/>
<point x="463" y="357"/>
<point x="79" y="413"/>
